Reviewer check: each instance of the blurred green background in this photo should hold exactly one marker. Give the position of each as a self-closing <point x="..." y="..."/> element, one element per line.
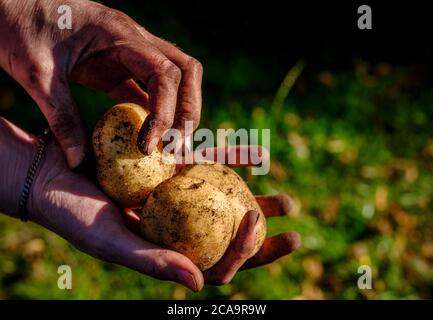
<point x="351" y="142"/>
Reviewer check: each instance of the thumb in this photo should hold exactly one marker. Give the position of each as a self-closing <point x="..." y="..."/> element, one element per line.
<point x="64" y="119"/>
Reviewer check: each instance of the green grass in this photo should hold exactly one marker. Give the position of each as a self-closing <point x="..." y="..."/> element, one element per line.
<point x="355" y="151"/>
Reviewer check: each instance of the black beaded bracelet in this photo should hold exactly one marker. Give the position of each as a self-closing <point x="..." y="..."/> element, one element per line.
<point x="22" y="205"/>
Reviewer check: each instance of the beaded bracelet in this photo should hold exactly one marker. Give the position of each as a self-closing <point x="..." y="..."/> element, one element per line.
<point x="25" y="193"/>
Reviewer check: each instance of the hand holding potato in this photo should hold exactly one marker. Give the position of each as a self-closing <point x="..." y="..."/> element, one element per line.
<point x="238" y="255"/>
<point x="197" y="212"/>
<point x="206" y="211"/>
<point x="75" y="208"/>
<point x="68" y="203"/>
<point x="105" y="50"/>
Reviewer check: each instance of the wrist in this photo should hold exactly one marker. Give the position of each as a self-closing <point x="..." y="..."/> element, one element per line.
<point x="16" y="152"/>
<point x="51" y="166"/>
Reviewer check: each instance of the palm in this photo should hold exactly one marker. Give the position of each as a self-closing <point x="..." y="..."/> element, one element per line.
<point x="76" y="209"/>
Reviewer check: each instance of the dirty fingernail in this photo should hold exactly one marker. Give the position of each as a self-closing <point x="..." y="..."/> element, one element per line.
<point x="151" y="145"/>
<point x="141" y="145"/>
<point x="257" y="217"/>
<point x="286" y="203"/>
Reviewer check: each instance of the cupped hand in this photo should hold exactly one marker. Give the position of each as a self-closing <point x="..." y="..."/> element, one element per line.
<point x="105" y="50"/>
<point x="238" y="255"/>
<point x="73" y="207"/>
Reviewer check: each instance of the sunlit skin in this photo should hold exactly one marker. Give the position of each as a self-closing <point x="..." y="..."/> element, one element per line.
<point x="106" y="50"/>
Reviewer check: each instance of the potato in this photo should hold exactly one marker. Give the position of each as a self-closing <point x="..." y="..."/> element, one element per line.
<point x="235" y="188"/>
<point x="123" y="172"/>
<point x="190" y="216"/>
<point x="198" y="212"/>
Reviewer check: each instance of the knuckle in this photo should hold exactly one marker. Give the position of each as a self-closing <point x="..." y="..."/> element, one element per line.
<point x="224" y="280"/>
<point x="195" y="118"/>
<point x="240" y="255"/>
<point x="155" y="267"/>
<point x="150" y="268"/>
<point x="119" y="15"/>
<point x="195" y="66"/>
<point x="169" y="70"/>
<point x="185" y="117"/>
<point x="36" y="80"/>
<point x="62" y="123"/>
<point x="107" y="14"/>
<point x="164" y="122"/>
<point x="244" y="250"/>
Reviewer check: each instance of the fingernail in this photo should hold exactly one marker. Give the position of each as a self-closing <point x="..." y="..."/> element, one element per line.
<point x="187" y="279"/>
<point x="151" y="145"/>
<point x="294" y="240"/>
<point x="286" y="204"/>
<point x="141" y="146"/>
<point x="257" y="217"/>
<point x="74" y="156"/>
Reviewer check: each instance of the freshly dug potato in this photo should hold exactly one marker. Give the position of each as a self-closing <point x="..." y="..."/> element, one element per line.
<point x="198" y="213"/>
<point x="235" y="188"/>
<point x="190" y="216"/>
<point x="123" y="172"/>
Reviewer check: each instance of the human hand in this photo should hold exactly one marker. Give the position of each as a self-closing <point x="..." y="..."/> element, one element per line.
<point x="73" y="207"/>
<point x="238" y="255"/>
<point x="105" y="50"/>
<point x="76" y="209"/>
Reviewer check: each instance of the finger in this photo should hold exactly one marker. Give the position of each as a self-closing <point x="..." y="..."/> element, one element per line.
<point x="100" y="232"/>
<point x="62" y="114"/>
<point x="132" y="220"/>
<point x="237" y="253"/>
<point x="162" y="78"/>
<point x="277" y="205"/>
<point x="236" y="156"/>
<point x="132" y="251"/>
<point x="274" y="248"/>
<point x="129" y="91"/>
<point x="189" y="96"/>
